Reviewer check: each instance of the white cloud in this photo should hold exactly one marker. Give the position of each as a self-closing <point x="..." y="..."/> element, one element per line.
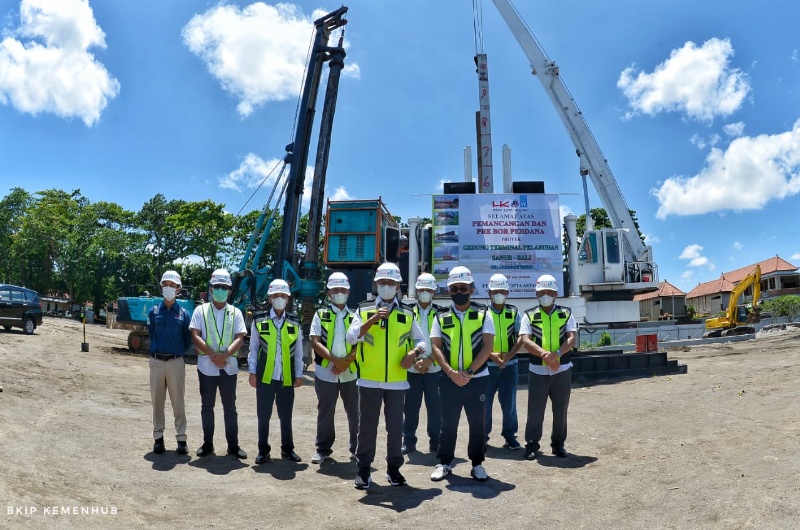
<point x="253" y="171"/>
<point x="687" y="275"/>
<point x="692" y="253"/>
<point x="695" y="80"/>
<point x="737" y="245"/>
<point x="48" y="68"/>
<point x="698" y="141"/>
<point x="734" y="129"/>
<point x="794" y="56"/>
<point x="749" y="174"/>
<point x="341" y="194"/>
<point x="795" y="256"/>
<point x="651" y="239"/>
<point x="259" y="52"/>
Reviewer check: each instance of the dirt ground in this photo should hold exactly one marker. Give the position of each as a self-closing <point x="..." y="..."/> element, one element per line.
<point x="714" y="448"/>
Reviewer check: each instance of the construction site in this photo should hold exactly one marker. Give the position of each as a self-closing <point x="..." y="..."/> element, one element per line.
<point x="713" y="448"/>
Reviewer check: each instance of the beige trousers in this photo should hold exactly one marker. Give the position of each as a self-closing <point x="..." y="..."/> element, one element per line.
<point x="168" y="375"/>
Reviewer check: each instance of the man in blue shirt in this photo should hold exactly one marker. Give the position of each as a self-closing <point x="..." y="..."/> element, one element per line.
<point x="168" y="327"/>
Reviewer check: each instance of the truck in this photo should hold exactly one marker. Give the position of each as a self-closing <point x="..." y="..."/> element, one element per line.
<point x="251" y="280"/>
<point x="738" y="318"/>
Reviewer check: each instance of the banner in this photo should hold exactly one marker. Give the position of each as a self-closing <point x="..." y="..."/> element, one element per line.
<point x="518" y="235"/>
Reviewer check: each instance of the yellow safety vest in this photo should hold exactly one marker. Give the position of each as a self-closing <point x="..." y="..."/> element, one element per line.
<point x="505" y="334"/>
<point x="216" y="340"/>
<point x="384" y="347"/>
<point x="453" y="336"/>
<point x="549" y="331"/>
<point x="268" y="345"/>
<point x="327" y="321"/>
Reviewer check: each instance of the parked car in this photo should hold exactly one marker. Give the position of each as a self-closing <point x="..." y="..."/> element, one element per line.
<point x="20" y="307"/>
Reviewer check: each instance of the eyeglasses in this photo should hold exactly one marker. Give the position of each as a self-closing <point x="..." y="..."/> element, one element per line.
<point x="224" y="287"/>
<point x="462" y="289"/>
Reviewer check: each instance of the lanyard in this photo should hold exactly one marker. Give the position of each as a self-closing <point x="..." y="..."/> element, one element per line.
<point x="220" y="336"/>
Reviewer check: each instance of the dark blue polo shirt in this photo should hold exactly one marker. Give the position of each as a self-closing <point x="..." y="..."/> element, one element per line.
<point x="169" y="329"/>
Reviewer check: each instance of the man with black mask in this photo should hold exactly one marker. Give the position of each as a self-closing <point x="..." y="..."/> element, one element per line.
<point x="462" y="339"/>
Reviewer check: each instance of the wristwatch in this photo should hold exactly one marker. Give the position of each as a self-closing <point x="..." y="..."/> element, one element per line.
<point x="470" y="371"/>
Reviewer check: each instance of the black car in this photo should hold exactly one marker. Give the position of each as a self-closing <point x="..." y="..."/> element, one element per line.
<point x="19" y="307"/>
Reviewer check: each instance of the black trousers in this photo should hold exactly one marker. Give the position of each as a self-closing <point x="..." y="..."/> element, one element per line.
<point x="327" y="395"/>
<point x="369" y="412"/>
<point x="471" y="398"/>
<point x="422" y="386"/>
<point x="226" y="384"/>
<point x="268" y="394"/>
<point x="557" y="387"/>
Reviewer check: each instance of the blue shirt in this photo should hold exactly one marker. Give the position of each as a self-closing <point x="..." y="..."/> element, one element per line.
<point x="169" y="329"/>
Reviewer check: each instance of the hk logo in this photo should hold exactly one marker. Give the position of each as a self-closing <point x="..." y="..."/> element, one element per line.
<point x="501" y="204"/>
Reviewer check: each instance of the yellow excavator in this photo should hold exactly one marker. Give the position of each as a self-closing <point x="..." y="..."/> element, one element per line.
<point x="738" y="318"/>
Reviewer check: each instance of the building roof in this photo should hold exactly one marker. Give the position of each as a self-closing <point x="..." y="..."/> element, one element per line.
<point x="768" y="266"/>
<point x="720" y="285"/>
<point x="728" y="280"/>
<point x="665" y="289"/>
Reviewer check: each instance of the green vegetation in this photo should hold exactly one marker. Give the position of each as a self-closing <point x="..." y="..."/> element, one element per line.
<point x="783" y="306"/>
<point x="60" y="243"/>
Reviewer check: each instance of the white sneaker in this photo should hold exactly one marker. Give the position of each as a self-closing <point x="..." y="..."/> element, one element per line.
<point x="440" y="471"/>
<point x="319" y="458"/>
<point x="479" y="474"/>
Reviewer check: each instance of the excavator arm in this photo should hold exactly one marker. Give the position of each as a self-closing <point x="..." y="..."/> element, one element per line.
<point x="731" y="319"/>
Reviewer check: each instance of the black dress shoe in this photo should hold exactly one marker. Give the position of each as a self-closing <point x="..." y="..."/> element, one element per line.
<point x="182" y="449"/>
<point x="237" y="451"/>
<point x="560" y="452"/>
<point x="205" y="450"/>
<point x="262" y="458"/>
<point x="158" y="447"/>
<point x="291" y="455"/>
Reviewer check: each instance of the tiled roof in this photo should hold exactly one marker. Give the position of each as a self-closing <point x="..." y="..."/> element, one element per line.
<point x="665" y="289"/>
<point x="770" y="265"/>
<point x="727" y="280"/>
<point x="720" y="285"/>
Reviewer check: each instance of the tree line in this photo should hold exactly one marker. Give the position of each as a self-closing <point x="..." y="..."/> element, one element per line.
<point x="61" y="243"/>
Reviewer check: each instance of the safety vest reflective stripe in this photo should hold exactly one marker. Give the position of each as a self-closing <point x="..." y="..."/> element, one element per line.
<point x="212" y="333"/>
<point x="504" y="325"/>
<point x="327" y="320"/>
<point x="453" y="336"/>
<point x="549" y="331"/>
<point x="268" y="344"/>
<point x="383" y="348"/>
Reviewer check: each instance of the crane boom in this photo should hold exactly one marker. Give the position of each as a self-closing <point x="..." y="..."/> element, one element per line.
<point x="592" y="161"/>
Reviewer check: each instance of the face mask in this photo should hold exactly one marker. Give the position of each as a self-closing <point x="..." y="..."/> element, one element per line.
<point x="424" y="296"/>
<point x="339" y="298"/>
<point x="387" y="292"/>
<point x="219" y="295"/>
<point x="499" y="298"/>
<point x="546" y="300"/>
<point x="279" y="303"/>
<point x="460" y="298"/>
<point x="169" y="293"/>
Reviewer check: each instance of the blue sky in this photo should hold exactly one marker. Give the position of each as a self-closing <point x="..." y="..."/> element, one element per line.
<point x="694" y="104"/>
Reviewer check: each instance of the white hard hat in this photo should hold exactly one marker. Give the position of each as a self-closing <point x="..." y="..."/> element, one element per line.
<point x="426" y="281"/>
<point x="459" y="274"/>
<point x="278" y="286"/>
<point x="221" y="277"/>
<point x="388" y="271"/>
<point x="498" y="282"/>
<point x="338" y="279"/>
<point x="171" y="276"/>
<point x="546" y="282"/>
